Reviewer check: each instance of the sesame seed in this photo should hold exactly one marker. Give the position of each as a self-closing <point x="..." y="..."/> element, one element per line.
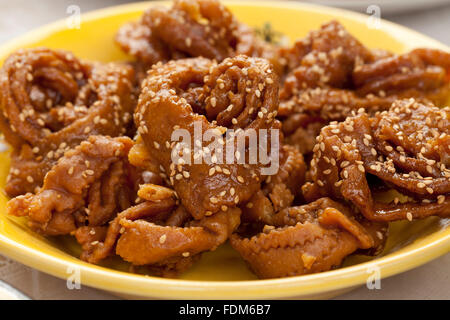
<point x="213" y="200"/>
<point x="345" y="174"/>
<point x="186" y="254"/>
<point x="240" y="179"/>
<point x="366" y="142"/>
<point x="162" y="239"/>
<point x="409" y="216"/>
<point x="322" y="146"/>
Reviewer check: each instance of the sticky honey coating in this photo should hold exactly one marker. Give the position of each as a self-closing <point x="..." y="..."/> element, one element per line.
<point x="405" y="148"/>
<point x="87" y="186"/>
<point x="278" y="191"/>
<point x="158" y="232"/>
<point x="99" y="150"/>
<point x="330" y="74"/>
<point x="240" y="94"/>
<point x="191" y="28"/>
<point x="50" y="102"/>
<point x="307" y="239"/>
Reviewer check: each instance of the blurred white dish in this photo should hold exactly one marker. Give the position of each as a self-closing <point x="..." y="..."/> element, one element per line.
<point x="386" y="6"/>
<point x="9" y="293"/>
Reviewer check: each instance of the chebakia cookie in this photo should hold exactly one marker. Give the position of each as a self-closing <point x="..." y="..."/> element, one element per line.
<point x="330" y="74"/>
<point x="87" y="186"/>
<point x="191" y="28"/>
<point x="405" y="148"/>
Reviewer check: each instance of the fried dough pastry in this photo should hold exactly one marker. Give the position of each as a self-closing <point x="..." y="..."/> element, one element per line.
<point x="405" y="148"/>
<point x="325" y="57"/>
<point x="158" y="232"/>
<point x="88" y="186"/>
<point x="330" y="74"/>
<point x="190" y="28"/>
<point x="240" y="93"/>
<point x="50" y="102"/>
<point x="144" y="243"/>
<point x="307" y="239"/>
<point x="278" y="191"/>
<point x="207" y="163"/>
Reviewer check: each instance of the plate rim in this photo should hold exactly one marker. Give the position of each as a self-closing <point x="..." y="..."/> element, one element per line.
<point x="154" y="287"/>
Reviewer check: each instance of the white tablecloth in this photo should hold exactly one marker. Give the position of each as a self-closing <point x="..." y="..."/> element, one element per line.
<point x="431" y="281"/>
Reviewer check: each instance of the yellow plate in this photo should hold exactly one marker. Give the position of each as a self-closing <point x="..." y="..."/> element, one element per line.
<point x="221" y="274"/>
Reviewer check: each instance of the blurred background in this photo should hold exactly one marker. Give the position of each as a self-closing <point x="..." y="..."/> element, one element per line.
<point x="431" y="17"/>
